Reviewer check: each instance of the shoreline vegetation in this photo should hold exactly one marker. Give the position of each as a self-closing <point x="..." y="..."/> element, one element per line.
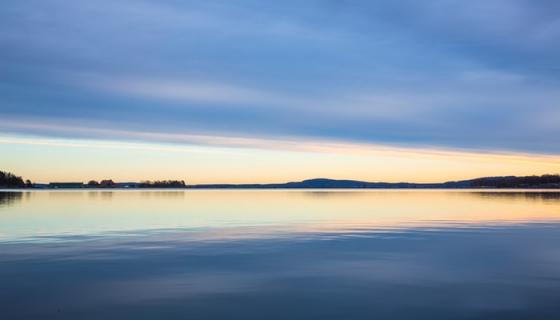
<point x="547" y="181"/>
<point x="10" y="180"/>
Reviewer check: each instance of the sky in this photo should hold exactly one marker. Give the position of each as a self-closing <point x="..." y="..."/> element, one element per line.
<point x="263" y="91"/>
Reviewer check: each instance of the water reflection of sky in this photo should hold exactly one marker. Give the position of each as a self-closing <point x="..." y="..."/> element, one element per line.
<point x="35" y="215"/>
<point x="280" y="255"/>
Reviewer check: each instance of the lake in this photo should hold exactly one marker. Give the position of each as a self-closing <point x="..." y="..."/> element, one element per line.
<point x="275" y="254"/>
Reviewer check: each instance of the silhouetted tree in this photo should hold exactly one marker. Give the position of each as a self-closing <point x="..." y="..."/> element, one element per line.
<point x="107" y="183"/>
<point x="10" y="180"/>
<point x="163" y="184"/>
<point x="93" y="184"/>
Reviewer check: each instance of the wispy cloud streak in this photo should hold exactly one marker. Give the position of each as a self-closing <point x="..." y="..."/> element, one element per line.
<point x="471" y="75"/>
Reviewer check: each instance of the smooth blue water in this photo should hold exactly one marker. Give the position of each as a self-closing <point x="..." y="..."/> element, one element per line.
<point x="280" y="255"/>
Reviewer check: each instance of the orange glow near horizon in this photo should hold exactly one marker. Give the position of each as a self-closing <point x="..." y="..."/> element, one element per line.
<point x="256" y="161"/>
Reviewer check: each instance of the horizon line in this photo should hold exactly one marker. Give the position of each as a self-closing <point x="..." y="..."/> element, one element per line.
<point x="299" y="181"/>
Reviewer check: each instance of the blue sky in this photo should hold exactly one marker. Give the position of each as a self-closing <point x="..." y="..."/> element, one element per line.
<point x="478" y="76"/>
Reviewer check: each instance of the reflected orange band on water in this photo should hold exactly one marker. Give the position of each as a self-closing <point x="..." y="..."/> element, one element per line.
<point x="249" y="213"/>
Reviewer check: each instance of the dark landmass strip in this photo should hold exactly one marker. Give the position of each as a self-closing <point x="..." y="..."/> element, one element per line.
<point x="108" y="184"/>
<point x="548" y="181"/>
<point x="544" y="182"/>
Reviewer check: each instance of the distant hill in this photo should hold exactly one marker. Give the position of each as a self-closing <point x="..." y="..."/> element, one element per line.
<point x="545" y="181"/>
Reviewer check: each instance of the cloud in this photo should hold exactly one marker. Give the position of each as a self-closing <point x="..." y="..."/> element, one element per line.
<point x="189" y="91"/>
<point x="168" y="142"/>
<point x="473" y="75"/>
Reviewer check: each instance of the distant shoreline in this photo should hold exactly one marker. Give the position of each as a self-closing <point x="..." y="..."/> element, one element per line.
<point x="525" y="189"/>
<point x="503" y="182"/>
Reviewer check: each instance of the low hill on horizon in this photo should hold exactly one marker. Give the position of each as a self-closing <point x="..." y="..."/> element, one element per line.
<point x="544" y="181"/>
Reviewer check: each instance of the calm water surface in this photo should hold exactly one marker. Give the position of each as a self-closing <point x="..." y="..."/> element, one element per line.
<point x="377" y="254"/>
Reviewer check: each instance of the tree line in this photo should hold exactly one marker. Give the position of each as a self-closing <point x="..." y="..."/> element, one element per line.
<point x="10" y="180"/>
<point x="162" y="184"/>
<point x="544" y="181"/>
<point x="144" y="184"/>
